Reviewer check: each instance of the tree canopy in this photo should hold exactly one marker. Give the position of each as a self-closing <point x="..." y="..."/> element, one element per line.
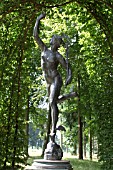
<point x="88" y="25"/>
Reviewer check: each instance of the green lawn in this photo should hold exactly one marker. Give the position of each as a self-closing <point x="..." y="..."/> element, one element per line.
<point x="84" y="164"/>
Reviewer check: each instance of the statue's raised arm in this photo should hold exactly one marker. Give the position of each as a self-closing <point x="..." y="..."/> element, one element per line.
<point x="36" y="32"/>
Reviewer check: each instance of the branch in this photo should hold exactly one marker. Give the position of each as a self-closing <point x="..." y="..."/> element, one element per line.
<point x="58" y="5"/>
<point x="103" y="24"/>
<point x="107" y="4"/>
<point x="51" y="6"/>
<point x="99" y="18"/>
<point x="36" y="6"/>
<point x="67" y="96"/>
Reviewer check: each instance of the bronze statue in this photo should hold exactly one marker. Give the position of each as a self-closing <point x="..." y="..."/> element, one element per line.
<point x="50" y="59"/>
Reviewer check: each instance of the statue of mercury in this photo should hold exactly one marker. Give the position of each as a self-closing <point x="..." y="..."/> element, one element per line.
<point x="50" y="59"/>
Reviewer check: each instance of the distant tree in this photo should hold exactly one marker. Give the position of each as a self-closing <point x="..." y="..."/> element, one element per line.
<point x="22" y="88"/>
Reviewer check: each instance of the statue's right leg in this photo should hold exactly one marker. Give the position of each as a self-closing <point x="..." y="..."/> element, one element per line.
<point x="54" y="108"/>
<point x="53" y="97"/>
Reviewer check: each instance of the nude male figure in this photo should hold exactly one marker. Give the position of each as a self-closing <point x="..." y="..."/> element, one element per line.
<point x="50" y="59"/>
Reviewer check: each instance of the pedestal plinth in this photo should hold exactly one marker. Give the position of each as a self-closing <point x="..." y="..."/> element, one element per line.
<point x="40" y="164"/>
<point x="53" y="152"/>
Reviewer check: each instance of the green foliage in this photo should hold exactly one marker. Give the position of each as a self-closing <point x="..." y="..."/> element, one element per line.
<point x="88" y="25"/>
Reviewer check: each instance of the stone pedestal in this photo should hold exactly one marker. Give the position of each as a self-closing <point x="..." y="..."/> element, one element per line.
<point x="41" y="164"/>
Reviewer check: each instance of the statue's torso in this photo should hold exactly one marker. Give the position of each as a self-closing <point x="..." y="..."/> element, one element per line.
<point x="49" y="64"/>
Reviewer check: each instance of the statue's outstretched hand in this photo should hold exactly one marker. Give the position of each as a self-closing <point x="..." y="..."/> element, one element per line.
<point x="41" y="16"/>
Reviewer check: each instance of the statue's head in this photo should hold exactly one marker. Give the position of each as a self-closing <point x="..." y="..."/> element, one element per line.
<point x="56" y="41"/>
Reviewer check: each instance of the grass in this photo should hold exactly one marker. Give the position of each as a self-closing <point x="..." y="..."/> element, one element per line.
<point x="84" y="164"/>
<point x="31" y="158"/>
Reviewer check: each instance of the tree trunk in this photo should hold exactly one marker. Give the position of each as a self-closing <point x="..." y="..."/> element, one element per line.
<point x="27" y="125"/>
<point x="75" y="149"/>
<point x="17" y="109"/>
<point x="84" y="142"/>
<point x="90" y="145"/>
<point x="8" y="125"/>
<point x="90" y="134"/>
<point x="80" y="139"/>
